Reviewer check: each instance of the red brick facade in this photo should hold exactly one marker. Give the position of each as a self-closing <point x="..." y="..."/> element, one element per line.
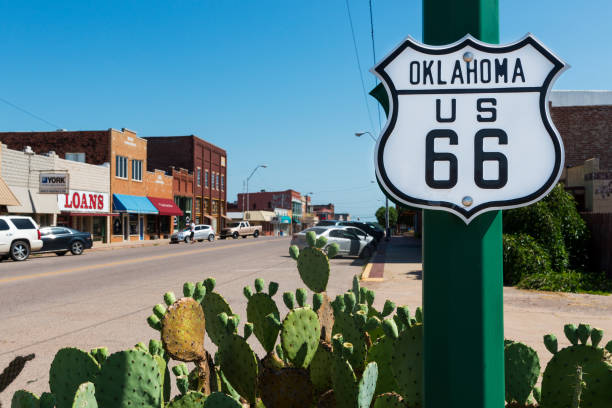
<point x="586" y="132"/>
<point x="267" y="200"/>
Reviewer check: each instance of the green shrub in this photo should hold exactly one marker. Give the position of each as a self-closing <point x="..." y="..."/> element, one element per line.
<point x="568" y="281"/>
<point x="573" y="228"/>
<point x="538" y="221"/>
<point x="523" y="256"/>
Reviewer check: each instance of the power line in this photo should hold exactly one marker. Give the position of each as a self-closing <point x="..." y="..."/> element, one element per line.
<point x="365" y="94"/>
<point x="374" y="57"/>
<point x="30" y="113"/>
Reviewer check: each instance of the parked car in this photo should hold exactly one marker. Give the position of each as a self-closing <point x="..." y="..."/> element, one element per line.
<point x="62" y="239"/>
<point x="240" y="229"/>
<point x="348" y="243"/>
<point x="202" y="232"/>
<point x="18" y="237"/>
<point x="377" y="234"/>
<point x="362" y="234"/>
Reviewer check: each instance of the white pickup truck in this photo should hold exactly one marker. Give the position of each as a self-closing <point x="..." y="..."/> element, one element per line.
<point x="240" y="229"/>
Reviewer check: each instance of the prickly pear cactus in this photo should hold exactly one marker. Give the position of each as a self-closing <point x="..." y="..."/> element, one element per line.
<point x="286" y="387"/>
<point x="390" y="400"/>
<point x="381" y="352"/>
<point x="220" y="400"/>
<point x="348" y="391"/>
<point x="300" y="330"/>
<point x="192" y="399"/>
<point x="313" y="262"/>
<point x="407" y="360"/>
<point x="213" y="305"/>
<point x="522" y="370"/>
<point x="183" y="330"/>
<point x="260" y="305"/>
<point x="85" y="396"/>
<point x="238" y="361"/>
<point x="320" y="373"/>
<point x="129" y="379"/>
<point x="70" y="368"/>
<point x="24" y="399"/>
<point x="559" y="380"/>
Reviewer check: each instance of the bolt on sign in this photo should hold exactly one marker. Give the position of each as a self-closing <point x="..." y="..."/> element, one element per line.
<point x="469" y="129"/>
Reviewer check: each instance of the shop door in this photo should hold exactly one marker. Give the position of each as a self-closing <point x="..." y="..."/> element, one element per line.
<point x="141" y="225"/>
<point x="126" y="228"/>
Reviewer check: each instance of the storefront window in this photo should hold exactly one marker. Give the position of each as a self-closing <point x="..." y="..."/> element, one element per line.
<point x="99" y="225"/>
<point x="165" y="225"/>
<point x="133" y="224"/>
<point x="207" y="206"/>
<point x="151" y="224"/>
<point x="215" y="207"/>
<point x="117" y="225"/>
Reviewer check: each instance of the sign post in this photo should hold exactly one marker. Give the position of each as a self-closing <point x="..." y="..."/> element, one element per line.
<point x="462" y="264"/>
<point x="468" y="134"/>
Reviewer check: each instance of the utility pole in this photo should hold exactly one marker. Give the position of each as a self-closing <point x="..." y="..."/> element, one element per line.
<point x="247" y="185"/>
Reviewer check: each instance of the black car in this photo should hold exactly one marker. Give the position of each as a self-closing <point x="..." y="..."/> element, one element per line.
<point x="377" y="234"/>
<point x="63" y="239"/>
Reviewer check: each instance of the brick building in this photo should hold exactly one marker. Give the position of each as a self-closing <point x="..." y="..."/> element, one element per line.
<point x="182" y="189"/>
<point x="324" y="211"/>
<point x="207" y="163"/>
<point x="120" y="150"/>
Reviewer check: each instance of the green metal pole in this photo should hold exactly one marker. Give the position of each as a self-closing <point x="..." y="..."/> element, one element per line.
<point x="462" y="264"/>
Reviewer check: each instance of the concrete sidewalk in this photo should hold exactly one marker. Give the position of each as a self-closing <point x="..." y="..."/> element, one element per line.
<point x="395" y="272"/>
<point x="99" y="246"/>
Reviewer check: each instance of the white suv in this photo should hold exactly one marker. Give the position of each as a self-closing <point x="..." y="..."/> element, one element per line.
<point x="18" y="237"/>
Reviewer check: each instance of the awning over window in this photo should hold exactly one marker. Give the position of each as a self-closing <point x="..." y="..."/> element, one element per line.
<point x="6" y="195"/>
<point x="133" y="204"/>
<point x="285" y="219"/>
<point x="166" y="206"/>
<point x="31" y="202"/>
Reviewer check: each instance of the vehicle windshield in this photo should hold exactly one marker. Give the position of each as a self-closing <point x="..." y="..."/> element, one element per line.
<point x="233" y="225"/>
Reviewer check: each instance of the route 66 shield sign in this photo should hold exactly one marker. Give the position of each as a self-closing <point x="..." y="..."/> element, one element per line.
<point x="469" y="129"/>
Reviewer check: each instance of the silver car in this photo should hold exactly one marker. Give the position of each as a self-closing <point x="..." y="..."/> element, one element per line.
<point x="202" y="232"/>
<point x="348" y="243"/>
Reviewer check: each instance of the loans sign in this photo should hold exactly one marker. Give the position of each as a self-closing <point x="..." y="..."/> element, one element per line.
<point x="469" y="129"/>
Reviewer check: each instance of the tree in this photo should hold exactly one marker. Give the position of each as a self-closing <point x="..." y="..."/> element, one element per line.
<point x="380" y="216"/>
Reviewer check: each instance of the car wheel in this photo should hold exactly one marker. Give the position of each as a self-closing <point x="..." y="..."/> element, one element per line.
<point x="186" y="240"/>
<point x="235" y="235"/>
<point x="76" y="248"/>
<point x="211" y="237"/>
<point x="366" y="253"/>
<point x="61" y="253"/>
<point x="255" y="234"/>
<point x="20" y="251"/>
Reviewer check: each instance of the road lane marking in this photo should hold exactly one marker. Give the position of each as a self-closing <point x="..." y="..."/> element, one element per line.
<point x="125" y="262"/>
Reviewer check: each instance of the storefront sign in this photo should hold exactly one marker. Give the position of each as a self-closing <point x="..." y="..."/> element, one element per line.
<point x="84" y="201"/>
<point x="53" y="183"/>
<point x="469" y="129"/>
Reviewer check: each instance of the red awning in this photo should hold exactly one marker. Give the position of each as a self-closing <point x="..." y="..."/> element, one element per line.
<point x="165" y="206"/>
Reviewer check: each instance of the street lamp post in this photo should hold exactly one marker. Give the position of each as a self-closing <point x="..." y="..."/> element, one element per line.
<point x="247" y="185"/>
<point x="387" y="230"/>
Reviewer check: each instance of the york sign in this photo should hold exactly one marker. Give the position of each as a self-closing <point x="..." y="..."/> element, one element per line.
<point x="53" y="183"/>
<point x="469" y="129"/>
<point x="83" y="201"/>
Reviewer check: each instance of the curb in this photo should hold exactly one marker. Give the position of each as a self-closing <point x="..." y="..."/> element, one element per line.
<point x="367" y="271"/>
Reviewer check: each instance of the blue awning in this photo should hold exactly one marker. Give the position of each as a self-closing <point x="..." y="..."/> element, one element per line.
<point x="285" y="219"/>
<point x="133" y="204"/>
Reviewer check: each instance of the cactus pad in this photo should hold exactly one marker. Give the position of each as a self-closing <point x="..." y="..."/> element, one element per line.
<point x="522" y="370"/>
<point x="381" y="352"/>
<point x="325" y="312"/>
<point x="407" y="364"/>
<point x="287" y="387"/>
<point x="345" y="323"/>
<point x="192" y="399"/>
<point x="85" y="396"/>
<point x="220" y="400"/>
<point x="390" y="400"/>
<point x="300" y="336"/>
<point x="258" y="307"/>
<point x="367" y="386"/>
<point x="213" y="305"/>
<point x="70" y="368"/>
<point x="129" y="379"/>
<point x="24" y="399"/>
<point x="313" y="267"/>
<point x="183" y="330"/>
<point x="327" y="400"/>
<point x="239" y="365"/>
<point x="343" y="380"/>
<point x="320" y="373"/>
<point x="559" y="377"/>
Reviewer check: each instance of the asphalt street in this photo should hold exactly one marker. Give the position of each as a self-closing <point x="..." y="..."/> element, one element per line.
<point x="102" y="298"/>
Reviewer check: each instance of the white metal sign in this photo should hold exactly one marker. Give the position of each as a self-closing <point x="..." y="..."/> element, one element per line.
<point x="469" y="129"/>
<point x="53" y="183"/>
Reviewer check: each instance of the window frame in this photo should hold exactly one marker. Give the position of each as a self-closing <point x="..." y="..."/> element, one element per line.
<point x="136" y="170"/>
<point x="206" y="178"/>
<point x="121" y="167"/>
<point x="199" y="177"/>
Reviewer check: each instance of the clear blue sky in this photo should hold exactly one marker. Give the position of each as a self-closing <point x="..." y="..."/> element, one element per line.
<point x="273" y="82"/>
